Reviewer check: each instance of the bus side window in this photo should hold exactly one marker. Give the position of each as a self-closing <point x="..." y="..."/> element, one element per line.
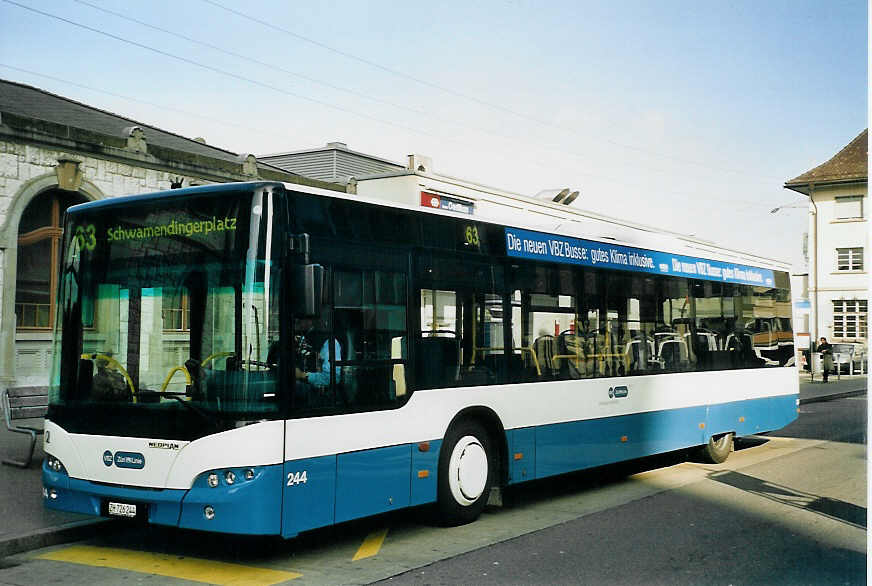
<point x="439" y="347"/>
<point x="461" y="301"/>
<point x="370" y="326"/>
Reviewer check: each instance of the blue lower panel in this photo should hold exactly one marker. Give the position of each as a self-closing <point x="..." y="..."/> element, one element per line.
<point x="425" y="467"/>
<point x="372" y="481"/>
<point x="80" y="496"/>
<point x="308" y="500"/>
<point x="248" y="507"/>
<point x="566" y="447"/>
<point x="750" y="417"/>
<point x="332" y="489"/>
<point x="522" y="454"/>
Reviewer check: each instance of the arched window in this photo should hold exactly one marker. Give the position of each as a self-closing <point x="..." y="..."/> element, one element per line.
<point x="39" y="242"/>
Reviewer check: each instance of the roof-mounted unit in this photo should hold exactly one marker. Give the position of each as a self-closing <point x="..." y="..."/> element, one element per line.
<point x="552" y="195"/>
<point x="561" y="196"/>
<point x="570" y="198"/>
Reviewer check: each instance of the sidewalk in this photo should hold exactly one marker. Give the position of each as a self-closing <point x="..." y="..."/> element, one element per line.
<point x="24" y="523"/>
<point x="27" y="525"/>
<point x="811" y="391"/>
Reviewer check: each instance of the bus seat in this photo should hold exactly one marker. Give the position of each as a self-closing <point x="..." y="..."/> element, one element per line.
<point x="638" y="358"/>
<point x="438" y="362"/>
<point x="673" y="353"/>
<point x="545" y="348"/>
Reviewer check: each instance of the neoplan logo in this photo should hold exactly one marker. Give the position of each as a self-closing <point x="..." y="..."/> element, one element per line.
<point x="618" y="392"/>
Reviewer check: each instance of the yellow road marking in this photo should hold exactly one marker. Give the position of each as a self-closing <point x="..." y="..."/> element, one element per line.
<point x="197" y="570"/>
<point x="371" y="545"/>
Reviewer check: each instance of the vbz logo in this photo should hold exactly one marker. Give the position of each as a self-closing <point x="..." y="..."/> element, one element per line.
<point x="108" y="458"/>
<point x="618" y="392"/>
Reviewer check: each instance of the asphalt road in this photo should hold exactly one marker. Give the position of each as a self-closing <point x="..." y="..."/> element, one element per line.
<point x="785" y="509"/>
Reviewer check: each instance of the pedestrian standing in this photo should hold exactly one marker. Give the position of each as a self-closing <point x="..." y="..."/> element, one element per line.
<point x="826" y="350"/>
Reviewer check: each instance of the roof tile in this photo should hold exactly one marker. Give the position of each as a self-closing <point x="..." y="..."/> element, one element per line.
<point x="849" y="163"/>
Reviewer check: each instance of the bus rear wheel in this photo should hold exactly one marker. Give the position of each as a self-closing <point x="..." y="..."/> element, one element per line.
<point x="466" y="473"/>
<point x="718" y="449"/>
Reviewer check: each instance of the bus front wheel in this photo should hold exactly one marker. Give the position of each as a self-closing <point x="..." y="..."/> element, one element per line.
<point x="466" y="473"/>
<point x="718" y="449"/>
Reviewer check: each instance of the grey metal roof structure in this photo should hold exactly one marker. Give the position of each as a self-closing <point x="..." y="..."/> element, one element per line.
<point x="334" y="162"/>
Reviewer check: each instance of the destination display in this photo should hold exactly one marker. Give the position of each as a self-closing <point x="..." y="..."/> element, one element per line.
<point x="569" y="250"/>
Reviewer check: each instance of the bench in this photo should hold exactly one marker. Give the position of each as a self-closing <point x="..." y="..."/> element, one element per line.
<point x="24" y="403"/>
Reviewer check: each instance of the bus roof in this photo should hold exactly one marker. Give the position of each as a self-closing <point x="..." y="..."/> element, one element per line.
<point x="573" y="224"/>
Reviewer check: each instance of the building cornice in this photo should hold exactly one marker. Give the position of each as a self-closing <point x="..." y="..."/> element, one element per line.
<point x="35" y="132"/>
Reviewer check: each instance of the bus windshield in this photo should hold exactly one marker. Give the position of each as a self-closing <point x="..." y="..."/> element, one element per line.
<point x="167" y="312"/>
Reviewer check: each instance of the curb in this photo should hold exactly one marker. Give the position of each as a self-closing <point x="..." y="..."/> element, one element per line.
<point x="832" y="397"/>
<point x="51" y="536"/>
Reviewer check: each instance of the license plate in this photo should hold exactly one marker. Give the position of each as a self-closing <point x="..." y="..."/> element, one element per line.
<point x="122" y="509"/>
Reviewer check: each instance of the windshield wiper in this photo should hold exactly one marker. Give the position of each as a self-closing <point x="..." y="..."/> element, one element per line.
<point x="177" y="395"/>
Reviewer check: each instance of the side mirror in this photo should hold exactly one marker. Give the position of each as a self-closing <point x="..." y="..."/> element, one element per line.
<point x="307" y="285"/>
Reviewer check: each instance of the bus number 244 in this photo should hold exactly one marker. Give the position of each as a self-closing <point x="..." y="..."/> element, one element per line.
<point x="295" y="478"/>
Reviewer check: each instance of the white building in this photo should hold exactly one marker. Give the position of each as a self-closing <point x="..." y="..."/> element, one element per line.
<point x="838" y="282"/>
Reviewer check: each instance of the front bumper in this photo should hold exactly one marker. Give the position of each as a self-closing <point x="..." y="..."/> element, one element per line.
<point x="250" y="507"/>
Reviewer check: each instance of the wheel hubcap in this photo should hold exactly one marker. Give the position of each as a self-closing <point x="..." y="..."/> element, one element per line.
<point x="468" y="470"/>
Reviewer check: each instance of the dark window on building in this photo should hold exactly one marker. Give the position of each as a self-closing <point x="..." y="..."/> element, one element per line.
<point x="39" y="242"/>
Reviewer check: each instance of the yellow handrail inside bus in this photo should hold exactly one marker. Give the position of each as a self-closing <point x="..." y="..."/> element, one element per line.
<point x="170" y="376"/>
<point x="215" y="355"/>
<point x="116" y="365"/>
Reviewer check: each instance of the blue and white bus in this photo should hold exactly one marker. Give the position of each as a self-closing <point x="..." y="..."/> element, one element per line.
<point x="263" y="358"/>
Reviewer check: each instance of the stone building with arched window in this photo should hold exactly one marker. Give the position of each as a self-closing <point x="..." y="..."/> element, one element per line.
<point x="55" y="152"/>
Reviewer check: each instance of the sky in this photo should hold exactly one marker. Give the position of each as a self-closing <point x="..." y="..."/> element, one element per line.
<point x="683" y="115"/>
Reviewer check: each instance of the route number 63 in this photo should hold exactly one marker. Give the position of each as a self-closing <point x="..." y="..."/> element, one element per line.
<point x="295" y="478"/>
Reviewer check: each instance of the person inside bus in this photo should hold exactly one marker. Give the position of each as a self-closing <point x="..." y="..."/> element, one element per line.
<point x="109" y="384"/>
<point x="312" y="362"/>
<point x="826" y="350"/>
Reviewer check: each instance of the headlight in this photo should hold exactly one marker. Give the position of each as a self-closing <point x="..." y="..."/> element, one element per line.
<point x="54" y="464"/>
<point x="249" y="474"/>
<point x="229" y="477"/>
<point x="212" y="480"/>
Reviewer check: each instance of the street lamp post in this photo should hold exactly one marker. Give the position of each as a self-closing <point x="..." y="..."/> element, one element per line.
<point x="814" y="268"/>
